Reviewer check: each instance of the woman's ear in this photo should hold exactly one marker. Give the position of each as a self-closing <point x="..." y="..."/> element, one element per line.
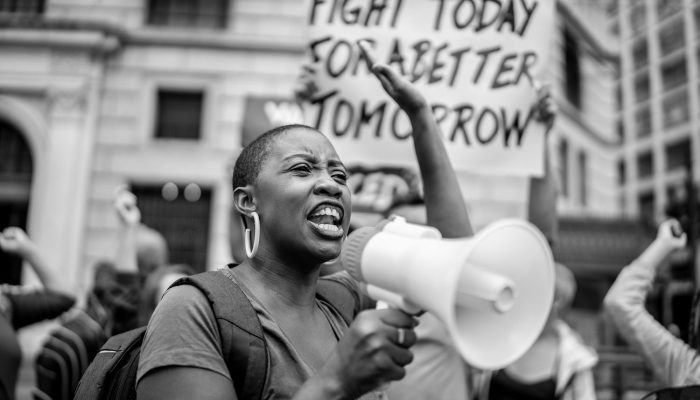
<point x="243" y="200"/>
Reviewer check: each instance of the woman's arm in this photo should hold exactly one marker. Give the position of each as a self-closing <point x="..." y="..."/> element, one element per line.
<point x="542" y="202"/>
<point x="445" y="206"/>
<point x="129" y="219"/>
<point x="674" y="362"/>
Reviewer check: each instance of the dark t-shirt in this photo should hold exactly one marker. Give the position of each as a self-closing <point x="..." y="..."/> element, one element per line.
<point x="183" y="332"/>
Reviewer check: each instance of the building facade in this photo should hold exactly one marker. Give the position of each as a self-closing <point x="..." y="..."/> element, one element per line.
<point x="659" y="89"/>
<point x="151" y="94"/>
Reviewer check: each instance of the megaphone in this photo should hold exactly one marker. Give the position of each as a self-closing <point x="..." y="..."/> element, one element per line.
<point x="492" y="291"/>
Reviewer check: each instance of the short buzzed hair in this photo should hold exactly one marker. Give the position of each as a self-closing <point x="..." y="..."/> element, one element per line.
<point x="253" y="156"/>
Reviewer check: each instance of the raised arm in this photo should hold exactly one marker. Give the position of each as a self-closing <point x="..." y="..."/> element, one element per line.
<point x="445" y="206"/>
<point x="15" y="241"/>
<point x="673" y="361"/>
<point x="542" y="202"/>
<point x="129" y="219"/>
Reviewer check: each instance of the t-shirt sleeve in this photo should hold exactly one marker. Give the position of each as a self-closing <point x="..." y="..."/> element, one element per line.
<point x="356" y="288"/>
<point x="182" y="332"/>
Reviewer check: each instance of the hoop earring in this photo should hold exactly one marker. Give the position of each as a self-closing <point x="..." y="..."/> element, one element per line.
<point x="251" y="253"/>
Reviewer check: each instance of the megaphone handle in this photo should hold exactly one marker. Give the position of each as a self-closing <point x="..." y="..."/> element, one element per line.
<point x="386" y="299"/>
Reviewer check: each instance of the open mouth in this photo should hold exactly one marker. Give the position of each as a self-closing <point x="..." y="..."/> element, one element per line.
<point x="327" y="218"/>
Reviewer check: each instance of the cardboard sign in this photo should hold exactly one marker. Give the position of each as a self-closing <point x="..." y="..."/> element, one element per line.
<point x="474" y="60"/>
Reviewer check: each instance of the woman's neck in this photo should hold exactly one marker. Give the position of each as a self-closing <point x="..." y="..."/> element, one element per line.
<point x="276" y="282"/>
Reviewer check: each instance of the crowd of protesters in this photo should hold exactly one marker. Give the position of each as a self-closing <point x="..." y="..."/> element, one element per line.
<point x="291" y="212"/>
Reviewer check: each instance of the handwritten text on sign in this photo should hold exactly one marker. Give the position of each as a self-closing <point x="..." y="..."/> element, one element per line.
<point x="474" y="60"/>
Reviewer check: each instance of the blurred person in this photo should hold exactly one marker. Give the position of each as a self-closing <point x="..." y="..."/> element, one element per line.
<point x="557" y="366"/>
<point x="674" y="362"/>
<point x="299" y="176"/>
<point x="123" y="296"/>
<point x="20" y="307"/>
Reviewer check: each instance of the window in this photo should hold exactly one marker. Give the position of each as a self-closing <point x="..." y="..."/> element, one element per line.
<point x="677" y="155"/>
<point x="642" y="117"/>
<point x="674" y="73"/>
<point x="181" y="214"/>
<point x="667" y="8"/>
<point x="672" y="37"/>
<point x="572" y="70"/>
<point x="676" y="110"/>
<point x="645" y="165"/>
<point x="188" y="13"/>
<point x="179" y="114"/>
<point x="564" y="167"/>
<point x="640" y="54"/>
<point x="583" y="178"/>
<point x="646" y="207"/>
<point x="642" y="88"/>
<point x="621" y="171"/>
<point x="620" y="130"/>
<point x="638" y="18"/>
<point x="22" y="6"/>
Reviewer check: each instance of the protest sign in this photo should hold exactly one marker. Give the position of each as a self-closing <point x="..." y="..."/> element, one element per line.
<point x="474" y="60"/>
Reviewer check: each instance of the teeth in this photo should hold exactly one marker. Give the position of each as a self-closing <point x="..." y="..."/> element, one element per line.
<point x="328" y="227"/>
<point x="328" y="211"/>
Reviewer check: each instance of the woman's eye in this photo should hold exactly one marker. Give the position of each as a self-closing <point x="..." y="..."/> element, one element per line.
<point x="301" y="168"/>
<point x="340" y="177"/>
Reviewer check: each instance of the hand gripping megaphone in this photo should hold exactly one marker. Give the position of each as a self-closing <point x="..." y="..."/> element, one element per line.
<point x="492" y="291"/>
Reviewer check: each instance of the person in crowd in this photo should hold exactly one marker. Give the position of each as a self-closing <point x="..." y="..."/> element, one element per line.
<point x="290" y="178"/>
<point x="142" y="268"/>
<point x="674" y="363"/>
<point x="123" y="295"/>
<point x="557" y="366"/>
<point x="20" y="306"/>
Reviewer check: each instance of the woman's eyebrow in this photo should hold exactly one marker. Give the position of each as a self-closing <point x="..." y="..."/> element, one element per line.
<point x="304" y="156"/>
<point x="336" y="163"/>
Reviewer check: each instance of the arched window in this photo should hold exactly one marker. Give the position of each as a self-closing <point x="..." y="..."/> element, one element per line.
<point x="16" y="167"/>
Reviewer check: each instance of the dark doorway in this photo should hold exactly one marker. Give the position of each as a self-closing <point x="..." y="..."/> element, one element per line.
<point x="16" y="169"/>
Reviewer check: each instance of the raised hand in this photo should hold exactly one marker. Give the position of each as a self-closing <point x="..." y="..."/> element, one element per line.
<point x="400" y="89"/>
<point x="15" y="241"/>
<point x="671" y="235"/>
<point x="305" y="86"/>
<point x="125" y="205"/>
<point x="544" y="109"/>
<point x="373" y="351"/>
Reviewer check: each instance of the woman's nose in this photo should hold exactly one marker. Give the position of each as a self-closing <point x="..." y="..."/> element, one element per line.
<point x="326" y="185"/>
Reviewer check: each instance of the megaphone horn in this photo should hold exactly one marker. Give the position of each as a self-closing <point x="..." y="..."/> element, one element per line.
<point x="493" y="291"/>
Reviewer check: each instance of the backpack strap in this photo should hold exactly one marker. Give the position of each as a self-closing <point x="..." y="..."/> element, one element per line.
<point x="243" y="344"/>
<point x="338" y="296"/>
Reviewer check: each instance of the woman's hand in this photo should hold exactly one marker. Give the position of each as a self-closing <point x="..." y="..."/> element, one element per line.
<point x="372" y="352"/>
<point x="125" y="206"/>
<point x="404" y="94"/>
<point x="671" y="235"/>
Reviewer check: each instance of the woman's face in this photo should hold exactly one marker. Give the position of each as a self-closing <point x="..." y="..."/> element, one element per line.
<point x="302" y="198"/>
